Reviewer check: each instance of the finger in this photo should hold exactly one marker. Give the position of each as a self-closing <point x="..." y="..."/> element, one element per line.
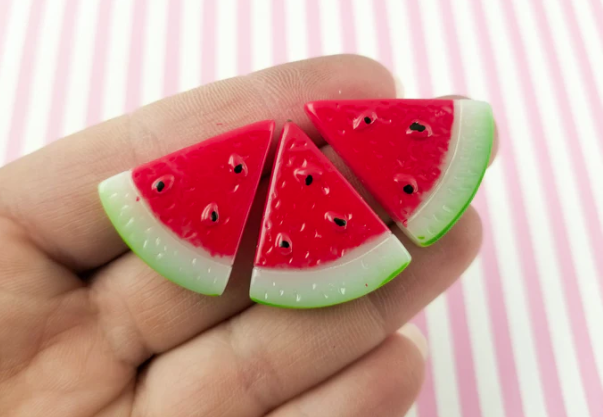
<point x="385" y="382"/>
<point x="266" y="356"/>
<point x="495" y="145"/>
<point x="53" y="191"/>
<point x="155" y="314"/>
<point x="160" y="315"/>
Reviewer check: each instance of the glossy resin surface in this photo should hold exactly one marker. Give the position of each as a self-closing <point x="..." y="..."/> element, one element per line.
<point x="419" y="158"/>
<point x="203" y="193"/>
<point x="313" y="215"/>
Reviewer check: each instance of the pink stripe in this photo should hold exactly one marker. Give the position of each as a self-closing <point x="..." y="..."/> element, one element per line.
<point x="465" y="372"/>
<point x="463" y="352"/>
<point x="5" y="11"/>
<point x="383" y="34"/>
<point x="347" y="27"/>
<point x="208" y="42"/>
<point x="426" y="402"/>
<point x="137" y="45"/>
<point x="244" y="46"/>
<point x="171" y="73"/>
<point x="540" y="325"/>
<point x="279" y="34"/>
<point x="503" y="348"/>
<point x="457" y="71"/>
<point x="97" y="78"/>
<point x="62" y="73"/>
<point x="23" y="91"/>
<point x="419" y="53"/>
<point x="587" y="74"/>
<point x="583" y="185"/>
<point x="314" y="30"/>
<point x="586" y="357"/>
<point x="597" y="10"/>
<point x="505" y="361"/>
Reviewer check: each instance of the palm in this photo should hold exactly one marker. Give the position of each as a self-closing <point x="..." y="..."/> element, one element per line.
<point x="86" y="329"/>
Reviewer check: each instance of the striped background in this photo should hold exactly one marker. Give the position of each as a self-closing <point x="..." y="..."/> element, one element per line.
<point x="522" y="333"/>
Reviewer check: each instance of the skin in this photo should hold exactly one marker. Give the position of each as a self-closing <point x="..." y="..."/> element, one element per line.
<point x="87" y="329"/>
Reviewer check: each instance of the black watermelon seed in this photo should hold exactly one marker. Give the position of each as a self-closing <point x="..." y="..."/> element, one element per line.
<point x="160" y="186"/>
<point x="238" y="169"/>
<point x="409" y="189"/>
<point x="284" y="244"/>
<point x="309" y="180"/>
<point x="417" y="126"/>
<point x="367" y="120"/>
<point x="214" y="216"/>
<point x="340" y="222"/>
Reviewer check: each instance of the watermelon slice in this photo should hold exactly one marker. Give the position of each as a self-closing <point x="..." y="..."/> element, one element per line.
<point x="184" y="214"/>
<point x="423" y="160"/>
<point x="320" y="243"/>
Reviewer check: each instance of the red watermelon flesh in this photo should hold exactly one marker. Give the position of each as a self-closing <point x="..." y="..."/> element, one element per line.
<point x="395" y="147"/>
<point x="312" y="215"/>
<point x="203" y="193"/>
<point x="320" y="243"/>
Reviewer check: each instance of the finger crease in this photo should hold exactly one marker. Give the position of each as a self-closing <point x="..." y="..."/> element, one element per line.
<point x="259" y="379"/>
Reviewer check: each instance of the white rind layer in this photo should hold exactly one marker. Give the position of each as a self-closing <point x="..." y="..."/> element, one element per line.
<point x="464" y="168"/>
<point x="357" y="273"/>
<point x="176" y="260"/>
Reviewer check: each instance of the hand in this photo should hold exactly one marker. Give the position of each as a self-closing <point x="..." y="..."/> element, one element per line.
<point x="87" y="329"/>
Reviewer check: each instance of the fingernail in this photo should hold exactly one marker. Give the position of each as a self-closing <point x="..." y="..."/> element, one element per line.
<point x="399" y="86"/>
<point x="412" y="333"/>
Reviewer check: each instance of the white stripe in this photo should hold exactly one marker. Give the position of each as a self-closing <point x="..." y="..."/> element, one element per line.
<point x="486" y="365"/>
<point x="82" y="55"/>
<point x="531" y="180"/>
<point x="470" y="52"/>
<point x="591" y="38"/>
<point x="154" y="51"/>
<point x="330" y="27"/>
<point x="401" y="47"/>
<point x="190" y="40"/>
<point x="441" y="351"/>
<point x="514" y="294"/>
<point x="412" y="412"/>
<point x="364" y="22"/>
<point x="586" y="136"/>
<point x="43" y="77"/>
<point x="482" y="341"/>
<point x="296" y="29"/>
<point x="10" y="63"/>
<point x="118" y="51"/>
<point x="261" y="31"/>
<point x="226" y="36"/>
<point x="582" y="253"/>
<point x="439" y="66"/>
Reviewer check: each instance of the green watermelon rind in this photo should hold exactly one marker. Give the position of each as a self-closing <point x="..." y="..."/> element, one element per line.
<point x="187" y="266"/>
<point x="385" y="281"/>
<point x="337" y="282"/>
<point x="474" y="126"/>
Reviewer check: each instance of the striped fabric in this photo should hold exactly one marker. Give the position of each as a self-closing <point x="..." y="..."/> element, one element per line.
<point x="522" y="333"/>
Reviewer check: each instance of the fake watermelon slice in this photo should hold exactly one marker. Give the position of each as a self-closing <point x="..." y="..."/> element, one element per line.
<point x="320" y="243"/>
<point x="184" y="214"/>
<point x="423" y="160"/>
